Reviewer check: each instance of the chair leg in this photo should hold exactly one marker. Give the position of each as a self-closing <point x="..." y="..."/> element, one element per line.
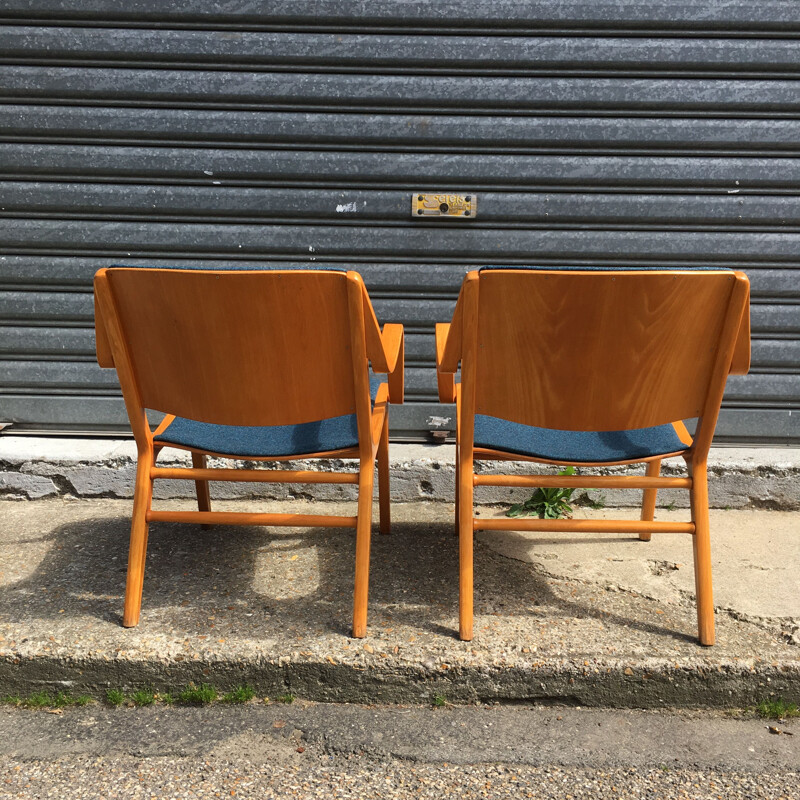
<point x="363" y="532"/>
<point x="201" y="487"/>
<point x="142" y="497"/>
<point x="649" y="497"/>
<point x="702" y="554"/>
<point x="384" y="499"/>
<point x="465" y="545"/>
<point x="458" y="488"/>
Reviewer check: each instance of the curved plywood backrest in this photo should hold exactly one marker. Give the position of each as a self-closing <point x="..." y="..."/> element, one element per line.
<point x="237" y="348"/>
<point x="599" y="351"/>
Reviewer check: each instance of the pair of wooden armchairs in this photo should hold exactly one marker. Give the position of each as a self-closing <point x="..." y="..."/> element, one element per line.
<point x="561" y="366"/>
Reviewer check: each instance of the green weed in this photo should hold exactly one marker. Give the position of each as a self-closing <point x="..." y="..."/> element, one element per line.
<point x="777" y="709"/>
<point x="11" y="700"/>
<point x="114" y="697"/>
<point x="143" y="697"/>
<point x="241" y="694"/>
<point x="546" y="503"/>
<point x="44" y="699"/>
<point x="198" y="695"/>
<point x="439" y="701"/>
<point x="286" y="698"/>
<point x="38" y="700"/>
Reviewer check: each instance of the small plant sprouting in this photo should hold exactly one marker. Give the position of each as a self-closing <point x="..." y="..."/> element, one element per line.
<point x="198" y="695"/>
<point x="546" y="503"/>
<point x="11" y="700"/>
<point x="286" y="698"/>
<point x="44" y="699"/>
<point x="670" y="506"/>
<point x="777" y="709"/>
<point x="61" y="699"/>
<point x="241" y="694"/>
<point x="38" y="700"/>
<point x="114" y="697"/>
<point x="143" y="697"/>
<point x="439" y="701"/>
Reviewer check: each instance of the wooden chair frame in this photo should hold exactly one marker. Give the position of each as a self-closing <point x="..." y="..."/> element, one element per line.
<point x="457" y="342"/>
<point x="384" y="349"/>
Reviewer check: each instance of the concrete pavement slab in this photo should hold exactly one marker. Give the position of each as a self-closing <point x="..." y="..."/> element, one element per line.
<point x="604" y="620"/>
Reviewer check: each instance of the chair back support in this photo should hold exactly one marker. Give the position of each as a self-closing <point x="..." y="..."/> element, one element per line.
<point x="237" y="348"/>
<point x="599" y="351"/>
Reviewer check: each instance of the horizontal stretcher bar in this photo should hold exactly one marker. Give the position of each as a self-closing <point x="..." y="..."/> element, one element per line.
<point x="245" y="475"/>
<point x="582" y="525"/>
<point x="583" y="481"/>
<point x="245" y="518"/>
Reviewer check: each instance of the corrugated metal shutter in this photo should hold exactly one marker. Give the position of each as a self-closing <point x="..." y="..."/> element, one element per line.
<point x="295" y="133"/>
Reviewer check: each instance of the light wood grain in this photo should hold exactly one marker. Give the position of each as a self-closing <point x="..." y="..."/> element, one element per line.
<point x="253" y="475"/>
<point x="278" y="356"/>
<point x="593" y="351"/>
<point x="248" y="518"/>
<point x="583" y="481"/>
<point x="649" y="497"/>
<point x="249" y="348"/>
<point x="468" y="325"/>
<point x="701" y="546"/>
<point x="581" y="525"/>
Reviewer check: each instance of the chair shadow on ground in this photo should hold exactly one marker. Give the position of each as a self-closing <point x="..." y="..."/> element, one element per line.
<point x="267" y="581"/>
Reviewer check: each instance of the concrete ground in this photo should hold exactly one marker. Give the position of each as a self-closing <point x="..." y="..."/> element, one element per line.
<point x="305" y="750"/>
<point x="603" y="620"/>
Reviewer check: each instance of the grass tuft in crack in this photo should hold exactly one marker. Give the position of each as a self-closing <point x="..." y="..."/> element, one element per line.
<point x="198" y="695"/>
<point x="241" y="694"/>
<point x="114" y="697"/>
<point x="143" y="697"/>
<point x="777" y="708"/>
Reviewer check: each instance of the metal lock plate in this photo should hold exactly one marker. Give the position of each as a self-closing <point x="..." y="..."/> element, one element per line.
<point x="444" y="205"/>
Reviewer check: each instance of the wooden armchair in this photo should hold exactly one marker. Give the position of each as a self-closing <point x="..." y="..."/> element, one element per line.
<point x="256" y="365"/>
<point x="592" y="367"/>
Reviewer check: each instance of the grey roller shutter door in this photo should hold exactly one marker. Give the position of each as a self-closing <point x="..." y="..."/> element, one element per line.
<point x="219" y="133"/>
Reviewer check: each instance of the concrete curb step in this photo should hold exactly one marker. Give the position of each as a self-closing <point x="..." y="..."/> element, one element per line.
<point x="37" y="467"/>
<point x="612" y="685"/>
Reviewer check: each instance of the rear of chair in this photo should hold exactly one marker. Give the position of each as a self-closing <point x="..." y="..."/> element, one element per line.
<point x="592" y="367"/>
<point x="257" y="365"/>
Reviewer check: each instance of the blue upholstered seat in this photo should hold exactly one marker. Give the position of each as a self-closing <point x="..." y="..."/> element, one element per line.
<point x="253" y="441"/>
<point x="575" y="446"/>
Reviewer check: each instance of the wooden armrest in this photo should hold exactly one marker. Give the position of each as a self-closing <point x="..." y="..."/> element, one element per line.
<point x="740" y="364"/>
<point x="445" y="378"/>
<point x="101" y="344"/>
<point x="392" y="338"/>
<point x="393" y="341"/>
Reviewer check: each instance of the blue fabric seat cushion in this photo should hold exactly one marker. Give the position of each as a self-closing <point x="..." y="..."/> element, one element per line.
<point x="575" y="446"/>
<point x="253" y="441"/>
